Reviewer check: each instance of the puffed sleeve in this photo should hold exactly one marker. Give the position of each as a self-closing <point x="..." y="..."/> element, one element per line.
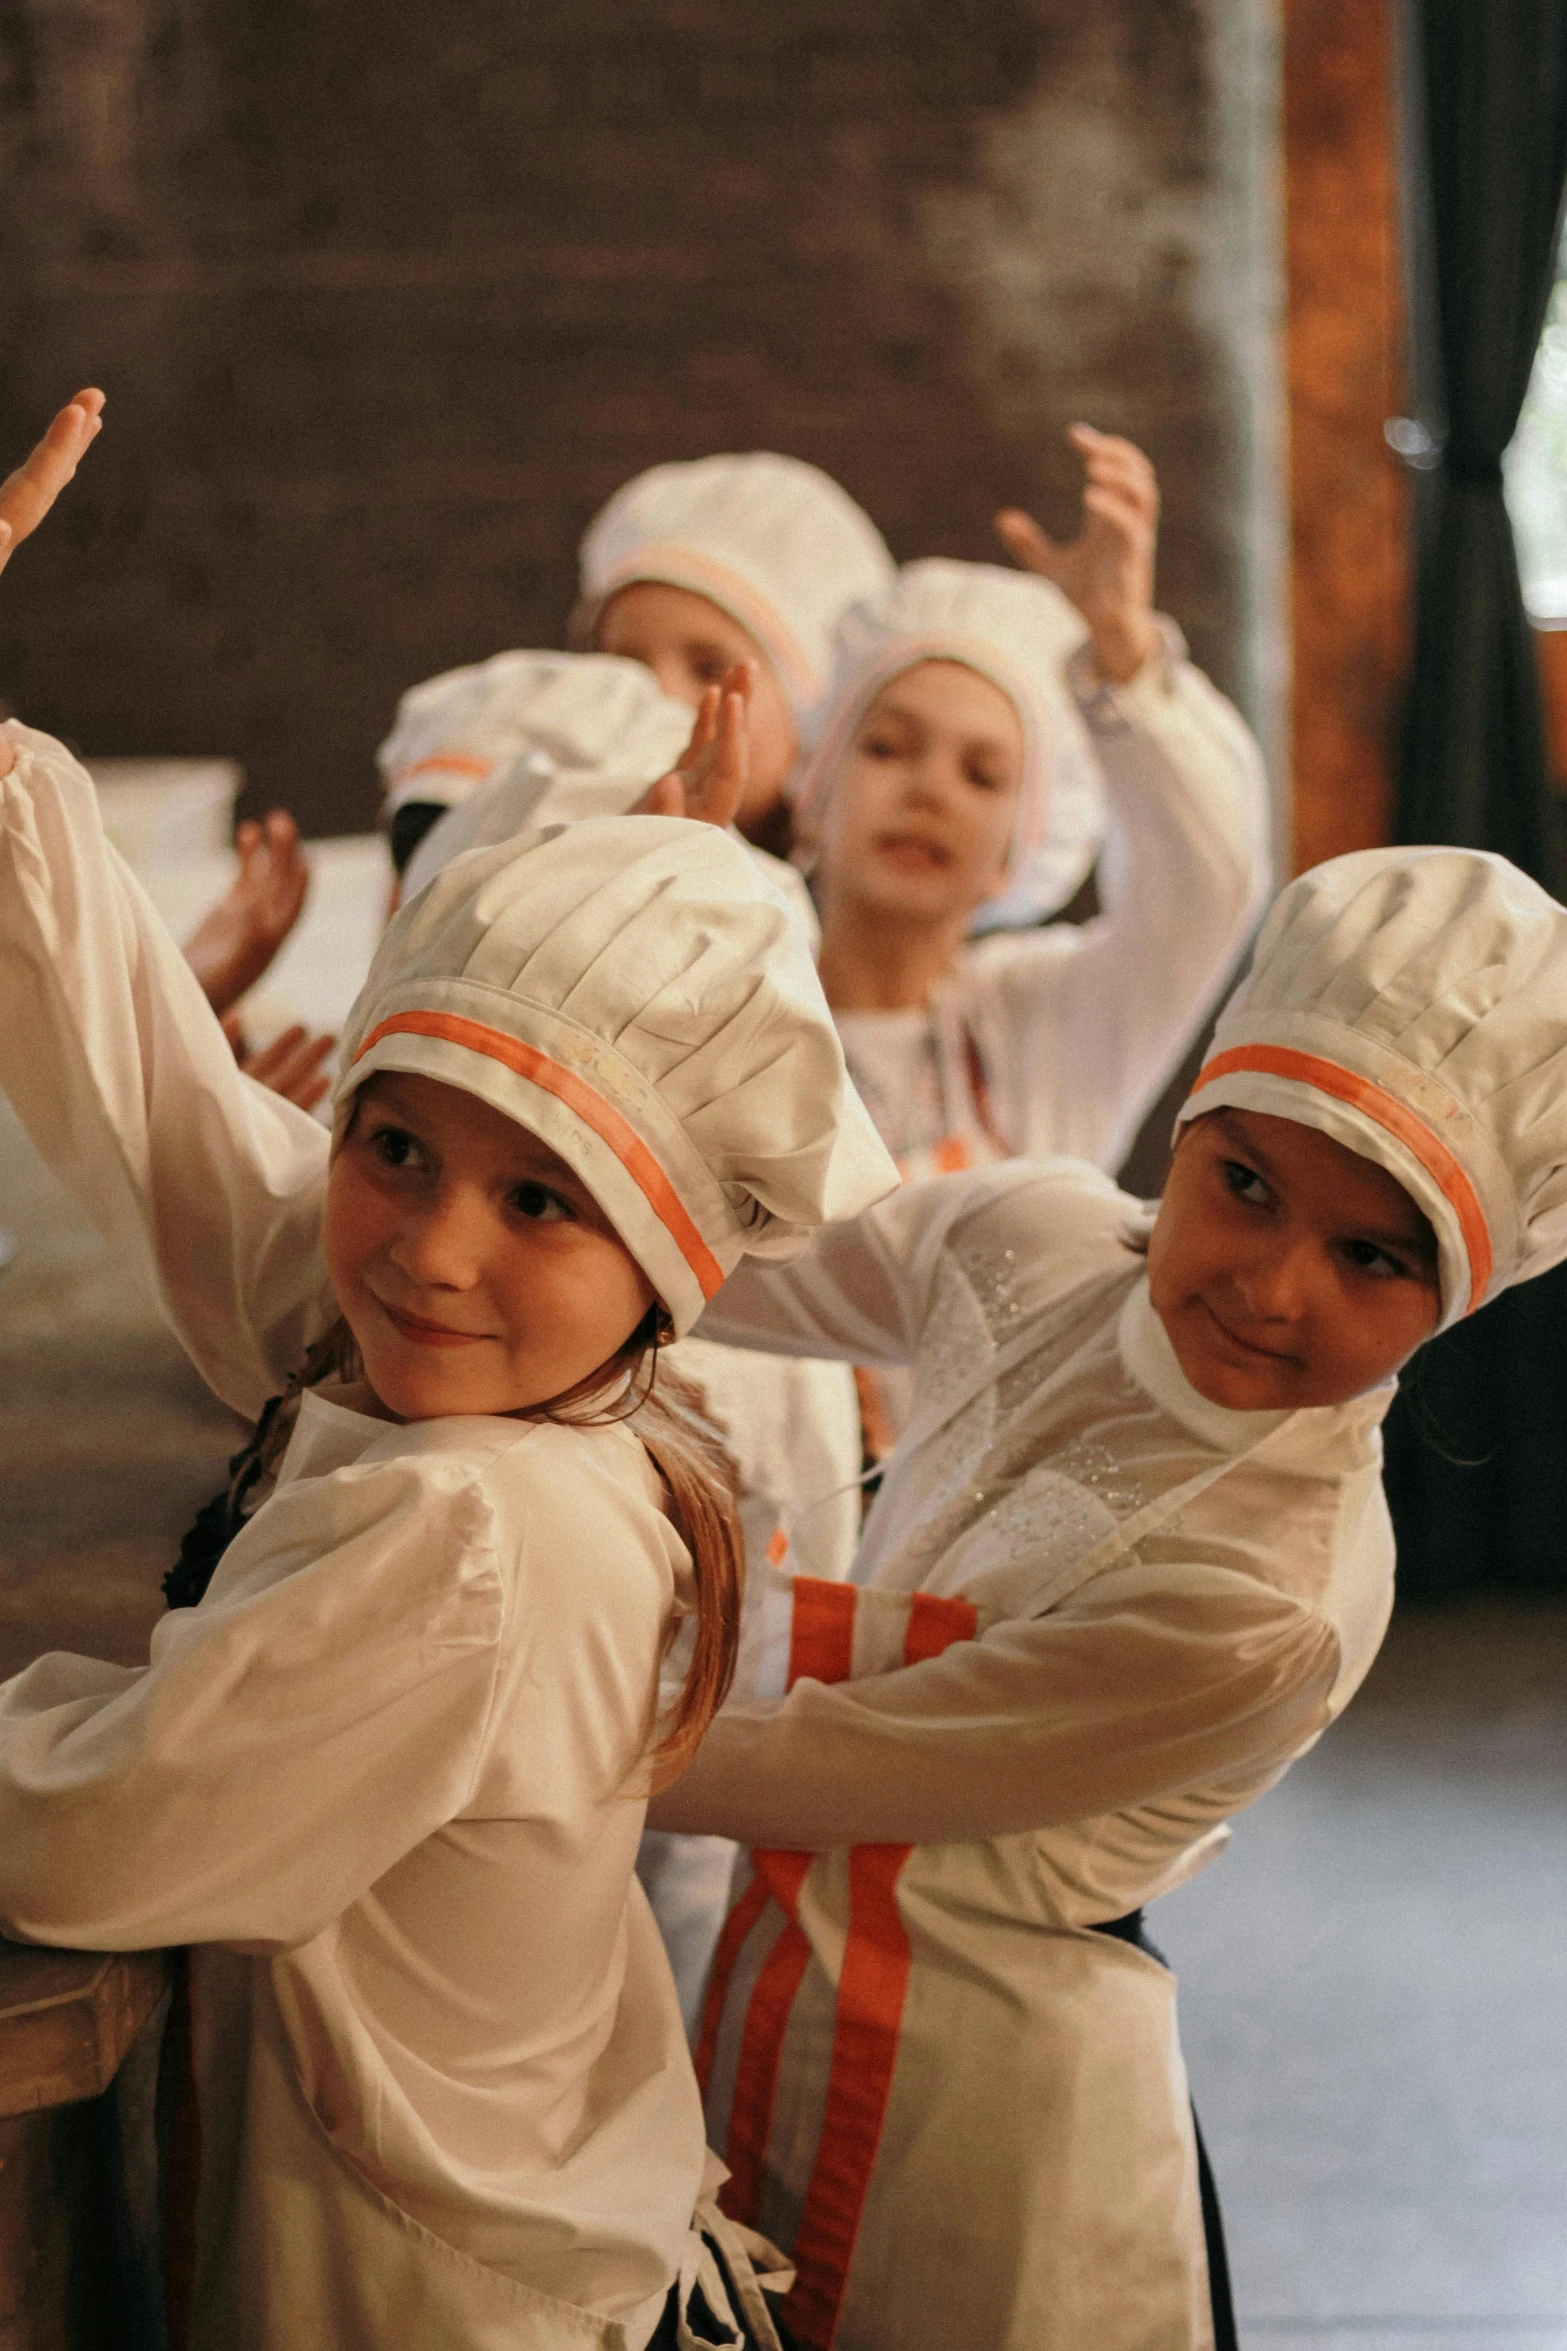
<point x="1143" y="1685"/>
<point x="1083" y="1025"/>
<point x="325" y="1709"/>
<point x="206" y="1185"/>
<point x="864" y="1290"/>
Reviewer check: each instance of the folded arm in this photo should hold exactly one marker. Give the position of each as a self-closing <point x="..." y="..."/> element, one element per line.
<point x="864" y="1290"/>
<point x="1144" y="1685"/>
<point x="315" y="1718"/>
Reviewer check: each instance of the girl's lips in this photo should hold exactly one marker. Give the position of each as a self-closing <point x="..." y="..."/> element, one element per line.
<point x="1245" y="1346"/>
<point x="909" y="849"/>
<point x="429" y="1334"/>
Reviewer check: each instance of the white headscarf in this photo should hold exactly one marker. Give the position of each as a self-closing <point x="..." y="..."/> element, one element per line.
<point x="772" y="541"/>
<point x="1018" y="631"/>
<point x="632" y="991"/>
<point x="1412" y="1004"/>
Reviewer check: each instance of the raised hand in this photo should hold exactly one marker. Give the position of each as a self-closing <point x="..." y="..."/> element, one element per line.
<point x="715" y="765"/>
<point x="27" y="495"/>
<point x="236" y="939"/>
<point x="290" y="1065"/>
<point x="1108" y="569"/>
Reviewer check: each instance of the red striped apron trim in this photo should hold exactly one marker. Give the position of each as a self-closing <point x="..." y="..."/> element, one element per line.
<point x="821" y="1633"/>
<point x="761" y="2043"/>
<point x="552" y="1077"/>
<point x="726" y="1952"/>
<point x="821" y="1648"/>
<point x="872" y="1989"/>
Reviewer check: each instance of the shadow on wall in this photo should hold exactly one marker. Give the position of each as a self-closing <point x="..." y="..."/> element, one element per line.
<point x="387" y="300"/>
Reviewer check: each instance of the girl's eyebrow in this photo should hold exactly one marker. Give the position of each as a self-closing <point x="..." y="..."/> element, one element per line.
<point x="1230" y="1126"/>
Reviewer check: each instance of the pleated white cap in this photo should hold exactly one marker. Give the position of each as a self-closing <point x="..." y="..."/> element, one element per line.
<point x="529" y="715"/>
<point x="633" y="991"/>
<point x="1018" y="631"/>
<point x="770" y="540"/>
<point x="1412" y="1003"/>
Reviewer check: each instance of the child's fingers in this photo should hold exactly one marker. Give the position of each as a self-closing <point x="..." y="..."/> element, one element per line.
<point x="1028" y="545"/>
<point x="665" y="798"/>
<point x="27" y="495"/>
<point x="1126" y="516"/>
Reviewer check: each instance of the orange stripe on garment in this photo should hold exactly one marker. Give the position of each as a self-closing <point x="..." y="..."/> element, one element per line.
<point x="1346" y="1085"/>
<point x="446" y="763"/>
<point x="821" y="1648"/>
<point x="761" y="2042"/>
<point x="726" y="1953"/>
<point x="552" y="1077"/>
<point x="821" y="1631"/>
<point x="951" y="1155"/>
<point x="872" y="1988"/>
<point x="934" y="1624"/>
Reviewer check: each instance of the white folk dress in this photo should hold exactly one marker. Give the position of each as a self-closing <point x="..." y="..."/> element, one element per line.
<point x="1061" y="1040"/>
<point x="380" y="1775"/>
<point x="1093" y="1616"/>
<point x="379" y="1779"/>
<point x="210" y="1192"/>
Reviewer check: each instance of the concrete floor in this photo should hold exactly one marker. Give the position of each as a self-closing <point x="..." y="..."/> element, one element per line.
<point x="1374" y="2006"/>
<point x="1374" y="1978"/>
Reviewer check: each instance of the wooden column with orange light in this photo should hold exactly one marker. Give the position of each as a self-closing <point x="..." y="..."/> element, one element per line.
<point x="1349" y="524"/>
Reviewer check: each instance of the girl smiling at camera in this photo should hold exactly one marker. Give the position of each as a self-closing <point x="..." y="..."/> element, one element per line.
<point x="388" y="1774"/>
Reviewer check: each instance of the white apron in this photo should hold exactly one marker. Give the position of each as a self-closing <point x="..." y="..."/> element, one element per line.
<point x="866" y="1963"/>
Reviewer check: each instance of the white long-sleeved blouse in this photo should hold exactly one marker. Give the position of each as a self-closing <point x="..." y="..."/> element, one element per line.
<point x="1060" y="1040"/>
<point x="386" y="1776"/>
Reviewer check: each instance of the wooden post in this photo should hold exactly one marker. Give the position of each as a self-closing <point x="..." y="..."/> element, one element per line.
<point x="1349" y="554"/>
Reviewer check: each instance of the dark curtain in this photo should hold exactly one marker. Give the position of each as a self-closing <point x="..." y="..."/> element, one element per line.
<point x="1477" y="1443"/>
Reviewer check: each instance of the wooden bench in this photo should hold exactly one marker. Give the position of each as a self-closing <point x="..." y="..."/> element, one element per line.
<point x="79" y="2182"/>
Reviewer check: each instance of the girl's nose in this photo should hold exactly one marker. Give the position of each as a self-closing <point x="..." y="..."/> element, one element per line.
<point x="439" y="1247"/>
<point x="1272" y="1285"/>
<point x="927" y="781"/>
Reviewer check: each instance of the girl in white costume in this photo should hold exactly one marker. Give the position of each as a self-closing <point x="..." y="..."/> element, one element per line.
<point x="1130" y="1559"/>
<point x="551" y="738"/>
<point x="984" y="735"/>
<point x="388" y="1776"/>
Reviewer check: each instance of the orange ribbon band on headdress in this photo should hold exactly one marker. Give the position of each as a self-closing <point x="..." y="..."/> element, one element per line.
<point x="1346" y="1085"/>
<point x="589" y="1105"/>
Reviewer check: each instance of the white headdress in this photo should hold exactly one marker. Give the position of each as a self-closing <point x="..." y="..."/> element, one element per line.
<point x="1412" y="1003"/>
<point x="632" y="991"/>
<point x="1018" y="631"/>
<point x="772" y="541"/>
